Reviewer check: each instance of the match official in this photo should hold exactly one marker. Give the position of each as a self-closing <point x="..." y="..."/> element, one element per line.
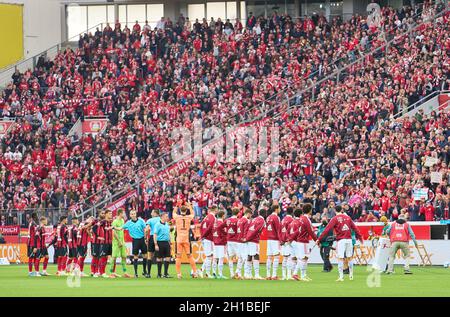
<point x="161" y="238"/>
<point x="136" y="228"/>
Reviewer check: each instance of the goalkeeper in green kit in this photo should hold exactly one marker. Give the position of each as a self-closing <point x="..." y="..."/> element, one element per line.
<point x="118" y="246"/>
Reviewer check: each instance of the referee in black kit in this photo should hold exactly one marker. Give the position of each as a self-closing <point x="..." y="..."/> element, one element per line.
<point x="136" y="228"/>
<point x="161" y="237"/>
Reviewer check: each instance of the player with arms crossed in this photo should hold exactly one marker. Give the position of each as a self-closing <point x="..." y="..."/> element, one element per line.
<point x="183" y="243"/>
<point x="242" y="228"/>
<point x="43" y="254"/>
<point x="206" y="235"/>
<point x="95" y="243"/>
<point x="286" y="248"/>
<point x="220" y="241"/>
<point x="32" y="245"/>
<point x="343" y="226"/>
<point x="72" y="233"/>
<point x="273" y="226"/>
<point x="119" y="249"/>
<point x="232" y="241"/>
<point x="252" y="240"/>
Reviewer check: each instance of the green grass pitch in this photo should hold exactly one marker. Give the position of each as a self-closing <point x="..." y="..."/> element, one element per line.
<point x="429" y="281"/>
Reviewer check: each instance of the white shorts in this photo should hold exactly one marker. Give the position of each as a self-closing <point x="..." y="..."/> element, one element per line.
<point x="233" y="248"/>
<point x="207" y="247"/>
<point x="301" y="250"/>
<point x="243" y="250"/>
<point x="344" y="248"/>
<point x="219" y="251"/>
<point x="252" y="248"/>
<point x="286" y="249"/>
<point x="273" y="247"/>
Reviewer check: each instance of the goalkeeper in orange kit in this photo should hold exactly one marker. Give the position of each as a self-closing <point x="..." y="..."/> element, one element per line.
<point x="183" y="221"/>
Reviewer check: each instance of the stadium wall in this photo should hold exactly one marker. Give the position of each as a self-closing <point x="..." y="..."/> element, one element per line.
<point x="41" y="25"/>
<point x="11" y="36"/>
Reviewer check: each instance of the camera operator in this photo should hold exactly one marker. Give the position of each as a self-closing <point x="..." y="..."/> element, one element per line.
<point x="325" y="245"/>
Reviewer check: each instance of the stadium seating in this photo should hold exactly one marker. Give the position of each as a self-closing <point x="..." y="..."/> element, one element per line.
<point x="338" y="139"/>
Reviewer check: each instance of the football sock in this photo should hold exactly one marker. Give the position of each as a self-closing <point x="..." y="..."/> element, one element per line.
<point x="303" y="266"/>
<point x="44" y="265"/>
<point x="276" y="261"/>
<point x="144" y="265"/>
<point x="80" y="263"/>
<point x="68" y="265"/>
<point x="298" y="266"/>
<point x="36" y="264"/>
<point x="30" y="264"/>
<point x="341" y="268"/>
<point x="166" y="267"/>
<point x="94" y="265"/>
<point x="350" y="267"/>
<point x="239" y="266"/>
<point x="159" y="268"/>
<point x="149" y="266"/>
<point x="193" y="266"/>
<point x="178" y="265"/>
<point x="284" y="267"/>
<point x="268" y="266"/>
<point x="135" y="265"/>
<point x="214" y="266"/>
<point x="248" y="268"/>
<point x="220" y="266"/>
<point x="256" y="267"/>
<point x="124" y="265"/>
<point x="231" y="265"/>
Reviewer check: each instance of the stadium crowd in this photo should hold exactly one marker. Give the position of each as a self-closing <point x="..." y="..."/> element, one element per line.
<point x="339" y="142"/>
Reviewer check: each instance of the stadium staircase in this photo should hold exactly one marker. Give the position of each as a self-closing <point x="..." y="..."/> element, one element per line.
<point x="289" y="101"/>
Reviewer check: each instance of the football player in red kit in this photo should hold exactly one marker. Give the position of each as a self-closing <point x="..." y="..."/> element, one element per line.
<point x="232" y="240"/>
<point x="32" y="245"/>
<point x="252" y="241"/>
<point x="286" y="248"/>
<point x="342" y="225"/>
<point x="301" y="243"/>
<point x="104" y="233"/>
<point x="206" y="235"/>
<point x="242" y="228"/>
<point x="72" y="234"/>
<point x="273" y="227"/>
<point x="220" y="241"/>
<point x="61" y="246"/>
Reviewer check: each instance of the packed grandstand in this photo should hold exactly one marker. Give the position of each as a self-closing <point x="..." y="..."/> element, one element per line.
<point x="338" y="91"/>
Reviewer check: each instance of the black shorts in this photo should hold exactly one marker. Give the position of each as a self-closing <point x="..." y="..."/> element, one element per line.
<point x="43" y="252"/>
<point x="73" y="252"/>
<point x="61" y="251"/>
<point x="95" y="250"/>
<point x="164" y="249"/>
<point x="31" y="254"/>
<point x="151" y="245"/>
<point x="139" y="245"/>
<point x="82" y="251"/>
<point x="105" y="250"/>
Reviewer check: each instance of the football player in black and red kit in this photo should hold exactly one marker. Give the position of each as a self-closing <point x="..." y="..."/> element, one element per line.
<point x="72" y="234"/>
<point x="97" y="239"/>
<point x="61" y="245"/>
<point x="82" y="242"/>
<point x="43" y="253"/>
<point x="106" y="243"/>
<point x="32" y="245"/>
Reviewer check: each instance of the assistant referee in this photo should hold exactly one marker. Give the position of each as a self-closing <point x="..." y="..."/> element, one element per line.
<point x="161" y="237"/>
<point x="136" y="228"/>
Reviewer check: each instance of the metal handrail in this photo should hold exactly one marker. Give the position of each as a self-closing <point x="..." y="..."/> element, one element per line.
<point x="419" y="102"/>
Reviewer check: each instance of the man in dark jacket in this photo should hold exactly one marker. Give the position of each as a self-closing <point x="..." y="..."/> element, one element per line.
<point x="325" y="245"/>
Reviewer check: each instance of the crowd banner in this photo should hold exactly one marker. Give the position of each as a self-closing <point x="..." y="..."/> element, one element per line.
<point x="436" y="177"/>
<point x="10" y="230"/>
<point x="430" y="161"/>
<point x="420" y="193"/>
<point x="94" y="125"/>
<point x="5" y="125"/>
<point x="121" y="202"/>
